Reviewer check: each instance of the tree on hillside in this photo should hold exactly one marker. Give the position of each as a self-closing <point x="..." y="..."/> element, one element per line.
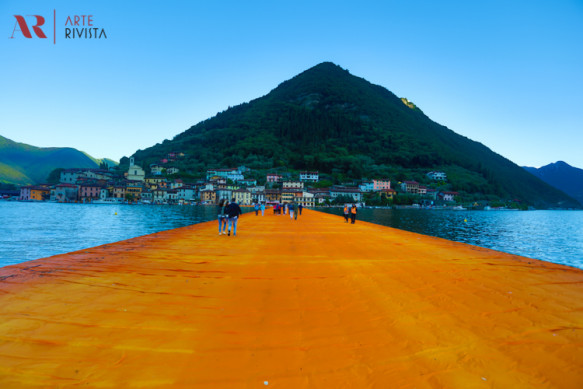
<point x="55" y="176"/>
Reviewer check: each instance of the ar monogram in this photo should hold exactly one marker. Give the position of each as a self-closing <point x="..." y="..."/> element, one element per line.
<point x="21" y="26"/>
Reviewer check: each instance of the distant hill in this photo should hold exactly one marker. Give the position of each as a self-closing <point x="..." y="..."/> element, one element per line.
<point x="562" y="176"/>
<point x="328" y="120"/>
<point x="23" y="164"/>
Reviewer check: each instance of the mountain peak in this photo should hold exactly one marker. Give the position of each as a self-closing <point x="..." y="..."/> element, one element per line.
<point x="560" y="164"/>
<point x="562" y="176"/>
<point x="325" y="66"/>
<point x="345" y="127"/>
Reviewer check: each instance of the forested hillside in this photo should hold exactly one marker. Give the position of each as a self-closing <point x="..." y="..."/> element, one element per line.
<point x="328" y="120"/>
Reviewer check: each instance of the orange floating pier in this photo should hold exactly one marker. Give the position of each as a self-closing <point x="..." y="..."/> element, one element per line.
<point x="289" y="304"/>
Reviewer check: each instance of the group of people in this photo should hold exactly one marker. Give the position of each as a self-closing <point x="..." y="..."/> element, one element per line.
<point x="290" y="208"/>
<point x="228" y="214"/>
<point x="350" y="213"/>
<point x="258" y="207"/>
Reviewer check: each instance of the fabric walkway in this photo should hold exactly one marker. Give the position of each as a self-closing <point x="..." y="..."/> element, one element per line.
<point x="289" y="304"/>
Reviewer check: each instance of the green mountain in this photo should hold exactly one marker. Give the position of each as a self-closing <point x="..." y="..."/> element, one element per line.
<point x="562" y="176"/>
<point x="328" y="120"/>
<point x="23" y="164"/>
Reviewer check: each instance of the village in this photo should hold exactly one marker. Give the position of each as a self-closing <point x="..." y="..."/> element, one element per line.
<point x="102" y="186"/>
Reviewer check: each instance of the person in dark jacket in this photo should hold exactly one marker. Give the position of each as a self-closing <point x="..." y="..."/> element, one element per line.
<point x="233" y="211"/>
<point x="300" y="207"/>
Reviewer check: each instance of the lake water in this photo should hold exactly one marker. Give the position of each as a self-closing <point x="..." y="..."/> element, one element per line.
<point x="553" y="236"/>
<point x="37" y="230"/>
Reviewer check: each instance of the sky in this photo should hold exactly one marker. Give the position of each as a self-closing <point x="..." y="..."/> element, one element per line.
<point x="508" y="74"/>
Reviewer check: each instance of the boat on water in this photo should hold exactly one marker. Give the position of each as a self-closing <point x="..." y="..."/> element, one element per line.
<point x="459" y="208"/>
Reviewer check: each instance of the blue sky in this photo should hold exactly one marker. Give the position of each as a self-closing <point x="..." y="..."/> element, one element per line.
<point x="508" y="74"/>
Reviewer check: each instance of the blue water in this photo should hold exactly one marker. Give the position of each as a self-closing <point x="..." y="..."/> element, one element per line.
<point x="37" y="230"/>
<point x="553" y="236"/>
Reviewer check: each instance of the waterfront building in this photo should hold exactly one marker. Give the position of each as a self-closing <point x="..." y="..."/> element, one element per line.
<point x="273" y="195"/>
<point x="355" y="193"/>
<point x="306" y="199"/>
<point x="224" y="194"/>
<point x="159" y="196"/>
<point x="288" y="194"/>
<point x="321" y="195"/>
<point x="186" y="192"/>
<point x="119" y="191"/>
<point x="135" y="172"/>
<point x="146" y="196"/>
<point x="134" y="188"/>
<point x="242" y="196"/>
<point x="257" y="197"/>
<point x="208" y="196"/>
<point x="172" y="196"/>
<point x="90" y="192"/>
<point x="65" y="193"/>
<point x="34" y="193"/>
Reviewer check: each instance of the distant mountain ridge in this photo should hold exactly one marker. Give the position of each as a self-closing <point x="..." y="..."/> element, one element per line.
<point x="23" y="164"/>
<point x="328" y="120"/>
<point x="562" y="176"/>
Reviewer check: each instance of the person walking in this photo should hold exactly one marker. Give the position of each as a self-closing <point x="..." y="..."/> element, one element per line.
<point x="300" y="207"/>
<point x="222" y="216"/>
<point x="297" y="210"/>
<point x="262" y="209"/>
<point x="233" y="211"/>
<point x="291" y="210"/>
<point x="353" y="213"/>
<point x="256" y="209"/>
<point x="346" y="213"/>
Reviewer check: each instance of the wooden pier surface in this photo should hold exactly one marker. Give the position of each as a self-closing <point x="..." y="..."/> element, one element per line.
<point x="289" y="304"/>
